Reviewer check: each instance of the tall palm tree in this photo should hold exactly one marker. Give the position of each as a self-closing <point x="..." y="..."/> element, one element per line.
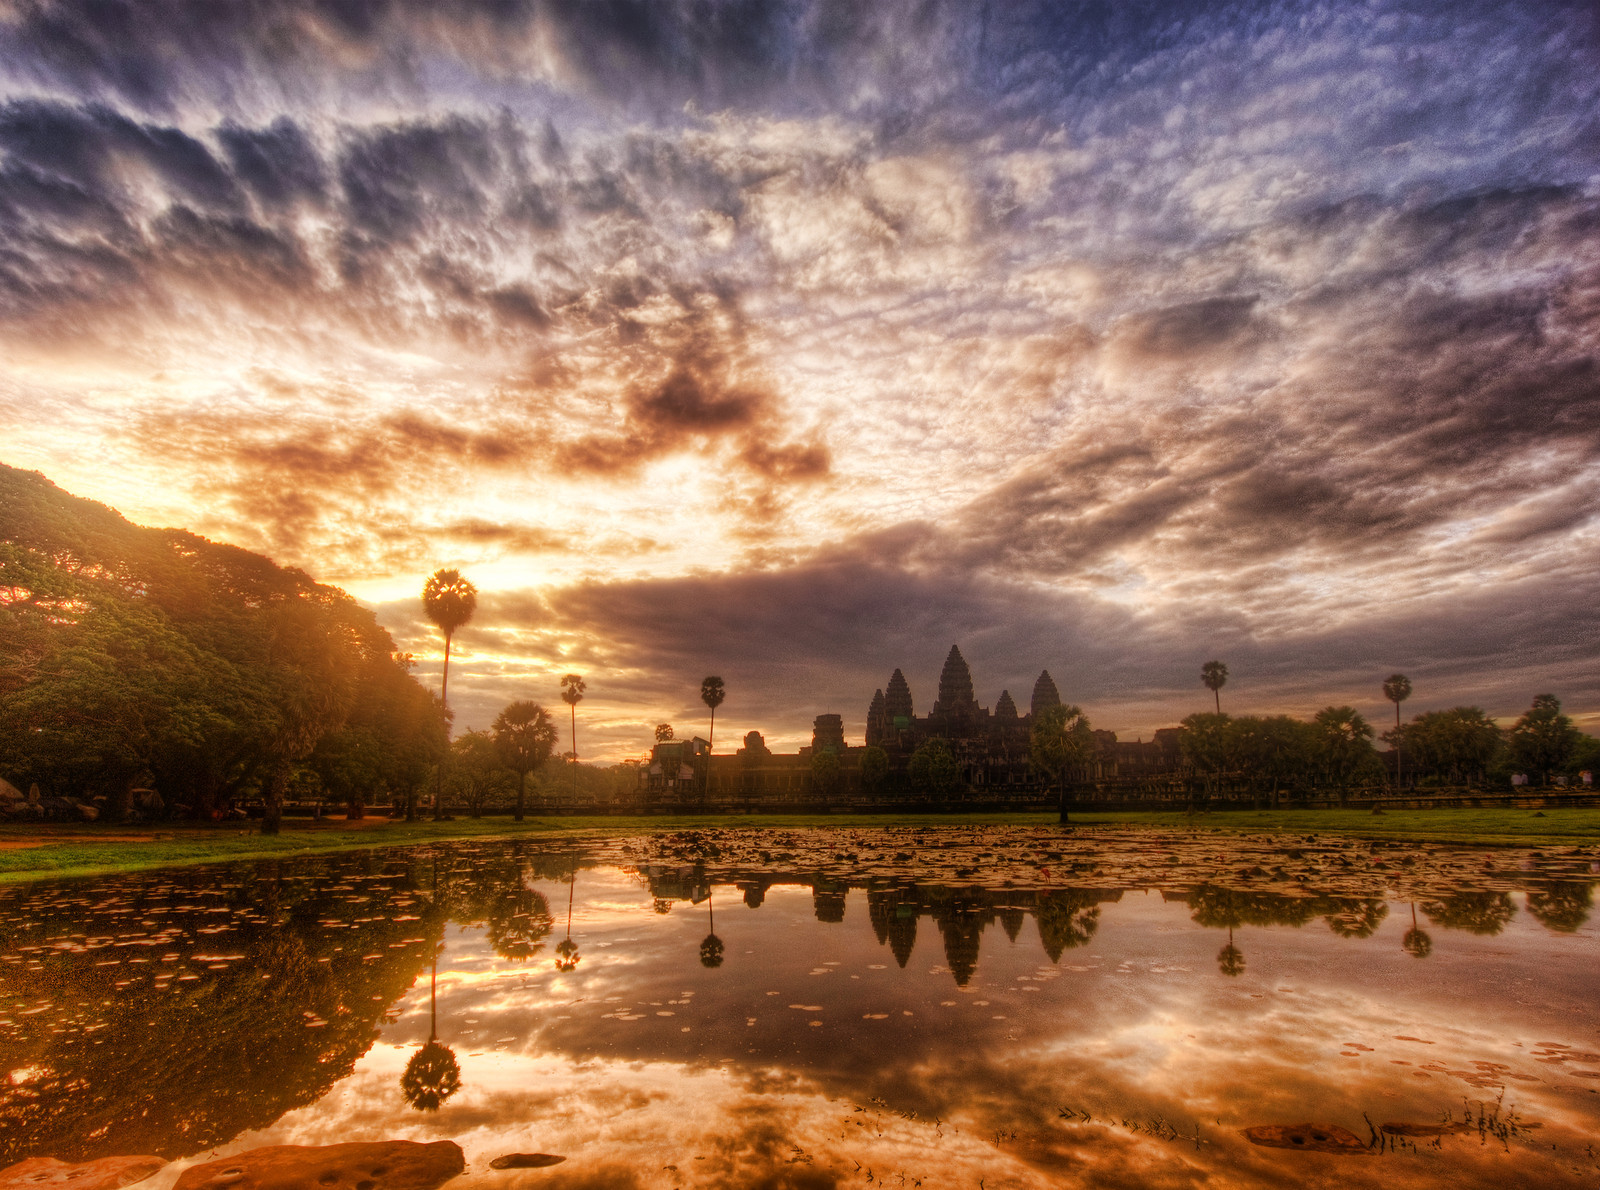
<point x="1214" y="675"/>
<point x="572" y="688"/>
<point x="712" y="692"/>
<point x="1397" y="688"/>
<point x="449" y="600"/>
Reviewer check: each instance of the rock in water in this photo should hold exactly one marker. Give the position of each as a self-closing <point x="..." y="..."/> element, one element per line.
<point x="380" y="1165"/>
<point x="525" y="1161"/>
<point x="108" y="1173"/>
<point x="1310" y="1138"/>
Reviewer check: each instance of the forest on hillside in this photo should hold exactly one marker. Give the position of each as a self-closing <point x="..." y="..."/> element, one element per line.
<point x="151" y="671"/>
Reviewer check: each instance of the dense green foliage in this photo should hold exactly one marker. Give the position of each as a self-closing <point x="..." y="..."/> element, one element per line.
<point x="1060" y="743"/>
<point x="136" y="659"/>
<point x="933" y="768"/>
<point x="1462" y="745"/>
<point x="524" y="738"/>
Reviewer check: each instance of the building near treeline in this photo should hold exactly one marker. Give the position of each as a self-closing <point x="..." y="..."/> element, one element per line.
<point x="991" y="748"/>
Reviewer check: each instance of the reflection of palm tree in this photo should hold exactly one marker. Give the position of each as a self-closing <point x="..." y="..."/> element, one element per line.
<point x="1067" y="918"/>
<point x="1562" y="905"/>
<point x="1230" y="959"/>
<point x="1416" y="943"/>
<point x="711" y="947"/>
<point x="1357" y="917"/>
<point x="1485" y="913"/>
<point x="567" y="949"/>
<point x="518" y="923"/>
<point x="433" y="1074"/>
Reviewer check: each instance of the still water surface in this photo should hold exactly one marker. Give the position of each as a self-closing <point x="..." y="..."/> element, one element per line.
<point x="1011" y="1007"/>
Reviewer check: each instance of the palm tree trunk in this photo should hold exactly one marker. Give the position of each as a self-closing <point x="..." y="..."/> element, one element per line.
<point x="1217" y="694"/>
<point x="444" y="701"/>
<point x="705" y="792"/>
<point x="1399" y="755"/>
<point x="574" y="750"/>
<point x="522" y="792"/>
<point x="272" y="808"/>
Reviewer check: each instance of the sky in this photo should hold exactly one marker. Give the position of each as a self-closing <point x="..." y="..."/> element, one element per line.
<point x="795" y="342"/>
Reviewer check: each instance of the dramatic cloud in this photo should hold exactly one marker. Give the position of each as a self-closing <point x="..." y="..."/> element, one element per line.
<point x="795" y="340"/>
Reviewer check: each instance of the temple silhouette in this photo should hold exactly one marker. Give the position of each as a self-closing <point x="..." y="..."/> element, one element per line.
<point x="989" y="747"/>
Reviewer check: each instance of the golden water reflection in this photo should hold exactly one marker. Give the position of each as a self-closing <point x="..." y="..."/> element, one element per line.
<point x="848" y="1022"/>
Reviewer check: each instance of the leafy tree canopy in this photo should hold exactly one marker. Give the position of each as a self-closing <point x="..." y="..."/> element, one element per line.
<point x="152" y="657"/>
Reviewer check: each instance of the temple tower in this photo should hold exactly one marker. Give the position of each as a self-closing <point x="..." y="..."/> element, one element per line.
<point x="1045" y="694"/>
<point x="877" y="720"/>
<point x="827" y="734"/>
<point x="1005" y="709"/>
<point x="955" y="684"/>
<point x="897" y="701"/>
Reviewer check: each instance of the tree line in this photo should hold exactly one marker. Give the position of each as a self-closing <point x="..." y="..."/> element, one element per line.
<point x="154" y="671"/>
<point x="151" y="671"/>
<point x="1270" y="753"/>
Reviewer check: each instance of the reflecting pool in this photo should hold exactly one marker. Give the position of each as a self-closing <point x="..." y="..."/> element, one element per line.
<point x="1004" y="1007"/>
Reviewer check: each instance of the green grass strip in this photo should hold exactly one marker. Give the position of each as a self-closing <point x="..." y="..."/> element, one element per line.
<point x="90" y="850"/>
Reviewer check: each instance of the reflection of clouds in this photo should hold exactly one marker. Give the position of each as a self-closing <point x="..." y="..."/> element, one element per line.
<point x="1139" y="1029"/>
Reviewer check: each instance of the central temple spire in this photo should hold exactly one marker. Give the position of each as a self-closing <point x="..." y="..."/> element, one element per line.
<point x="1045" y="694"/>
<point x="955" y="683"/>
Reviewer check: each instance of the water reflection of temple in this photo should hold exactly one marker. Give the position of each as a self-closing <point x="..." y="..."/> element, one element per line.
<point x="989" y="747"/>
<point x="1065" y="918"/>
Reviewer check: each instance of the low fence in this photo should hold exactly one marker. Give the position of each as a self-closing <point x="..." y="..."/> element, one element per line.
<point x="1087" y="799"/>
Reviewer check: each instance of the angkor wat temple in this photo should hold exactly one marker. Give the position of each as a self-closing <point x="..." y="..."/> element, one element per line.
<point x="990" y="747"/>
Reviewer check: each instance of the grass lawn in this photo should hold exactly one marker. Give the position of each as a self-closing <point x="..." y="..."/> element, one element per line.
<point x="30" y="852"/>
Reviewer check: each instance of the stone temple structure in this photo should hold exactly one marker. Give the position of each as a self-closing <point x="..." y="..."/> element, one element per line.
<point x="991" y="747"/>
<point x="892" y="722"/>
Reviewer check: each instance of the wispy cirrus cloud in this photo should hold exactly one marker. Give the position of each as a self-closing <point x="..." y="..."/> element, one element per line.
<point x="1191" y="324"/>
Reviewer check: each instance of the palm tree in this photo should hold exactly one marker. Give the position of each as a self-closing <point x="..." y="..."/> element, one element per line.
<point x="1214" y="675"/>
<point x="711" y="947"/>
<point x="1397" y="688"/>
<point x="572" y="688"/>
<point x="663" y="732"/>
<point x="712" y="693"/>
<point x="1060" y="742"/>
<point x="524" y="735"/>
<point x="448" y="600"/>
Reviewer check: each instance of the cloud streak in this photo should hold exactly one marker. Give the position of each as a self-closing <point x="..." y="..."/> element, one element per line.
<point x="1218" y="331"/>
